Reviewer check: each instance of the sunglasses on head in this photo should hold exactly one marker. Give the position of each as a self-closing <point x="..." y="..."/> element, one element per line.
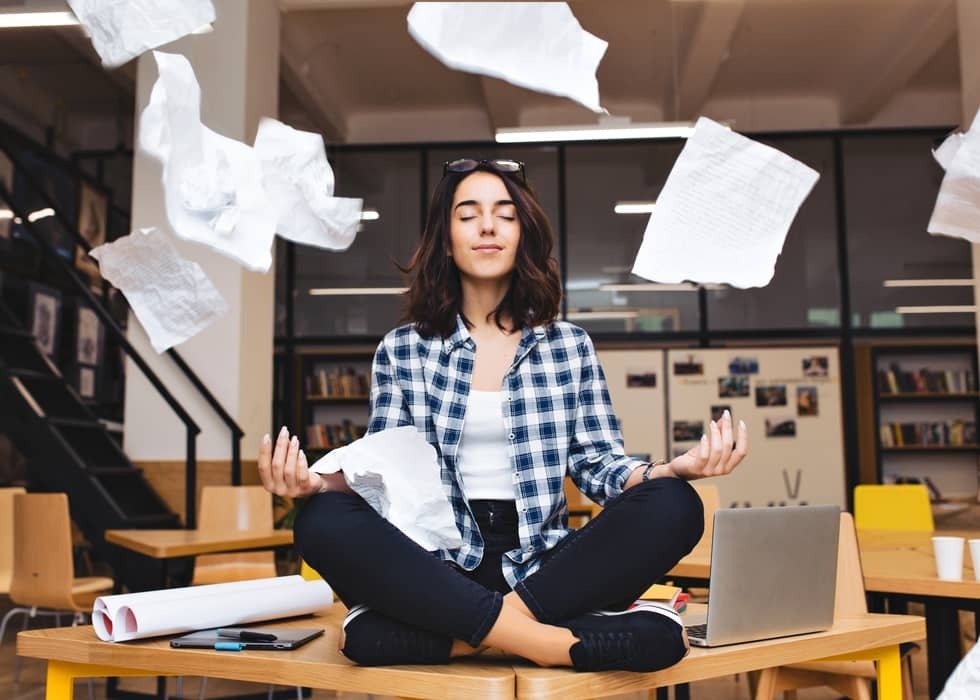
<point x="501" y="166"/>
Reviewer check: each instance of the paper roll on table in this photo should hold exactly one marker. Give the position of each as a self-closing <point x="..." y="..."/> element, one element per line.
<point x="119" y="618"/>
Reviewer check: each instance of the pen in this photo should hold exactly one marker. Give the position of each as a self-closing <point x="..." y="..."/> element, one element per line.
<point x="228" y="646"/>
<point x="247" y="635"/>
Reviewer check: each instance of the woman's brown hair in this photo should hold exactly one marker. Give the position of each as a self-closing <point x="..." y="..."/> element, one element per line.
<point x="434" y="296"/>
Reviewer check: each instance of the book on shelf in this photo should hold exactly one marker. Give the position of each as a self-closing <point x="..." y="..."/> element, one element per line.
<point x="954" y="433"/>
<point x="326" y="436"/>
<point x="896" y="380"/>
<point x="339" y="382"/>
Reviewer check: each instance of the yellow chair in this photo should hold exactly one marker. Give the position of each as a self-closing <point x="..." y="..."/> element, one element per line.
<point x="228" y="508"/>
<point x="308" y="572"/>
<point x="892" y="507"/>
<point x="850" y="678"/>
<point x="7" y="537"/>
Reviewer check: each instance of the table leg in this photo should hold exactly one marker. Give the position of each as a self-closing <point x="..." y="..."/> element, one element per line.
<point x="890" y="674"/>
<point x="60" y="683"/>
<point x="943" y="643"/>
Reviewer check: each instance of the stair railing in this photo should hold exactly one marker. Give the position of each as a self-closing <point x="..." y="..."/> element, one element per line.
<point x="191" y="427"/>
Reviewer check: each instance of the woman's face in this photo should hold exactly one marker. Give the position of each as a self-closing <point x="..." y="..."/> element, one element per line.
<point x="484" y="231"/>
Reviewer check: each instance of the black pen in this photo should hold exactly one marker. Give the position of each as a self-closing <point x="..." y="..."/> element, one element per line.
<point x="247" y="635"/>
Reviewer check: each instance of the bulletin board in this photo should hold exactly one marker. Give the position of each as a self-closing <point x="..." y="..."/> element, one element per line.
<point x="636" y="385"/>
<point x="790" y="400"/>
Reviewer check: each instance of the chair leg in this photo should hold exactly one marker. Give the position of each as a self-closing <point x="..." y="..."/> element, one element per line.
<point x="204" y="687"/>
<point x="6" y="619"/>
<point x="179" y="686"/>
<point x="91" y="689"/>
<point x="765" y="687"/>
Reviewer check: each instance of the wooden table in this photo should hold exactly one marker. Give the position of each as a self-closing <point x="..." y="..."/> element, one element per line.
<point x="75" y="652"/>
<point x="902" y="564"/>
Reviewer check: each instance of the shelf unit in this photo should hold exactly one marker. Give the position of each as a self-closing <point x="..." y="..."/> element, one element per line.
<point x="331" y="387"/>
<point x="925" y="412"/>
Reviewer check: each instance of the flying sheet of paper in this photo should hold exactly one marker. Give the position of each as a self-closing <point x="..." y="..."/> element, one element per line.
<point x="212" y="184"/>
<point x="123" y="29"/>
<point x="964" y="682"/>
<point x="957" y="210"/>
<point x="536" y="45"/>
<point x="947" y="150"/>
<point x="171" y="296"/>
<point x="724" y="212"/>
<point x="397" y="472"/>
<point x="300" y="184"/>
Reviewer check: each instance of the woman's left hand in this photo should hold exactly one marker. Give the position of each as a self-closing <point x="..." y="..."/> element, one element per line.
<point x="716" y="455"/>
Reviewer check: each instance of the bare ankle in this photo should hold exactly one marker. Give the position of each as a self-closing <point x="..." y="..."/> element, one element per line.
<point x="461" y="648"/>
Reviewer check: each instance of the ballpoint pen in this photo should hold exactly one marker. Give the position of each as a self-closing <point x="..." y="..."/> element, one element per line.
<point x="247" y="635"/>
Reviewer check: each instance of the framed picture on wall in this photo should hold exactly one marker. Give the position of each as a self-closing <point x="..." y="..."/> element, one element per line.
<point x="93" y="212"/>
<point x="7" y="179"/>
<point x="45" y="306"/>
<point x="89" y="337"/>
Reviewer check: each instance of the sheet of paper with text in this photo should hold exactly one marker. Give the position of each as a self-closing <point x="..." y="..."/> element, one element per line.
<point x="724" y="212"/>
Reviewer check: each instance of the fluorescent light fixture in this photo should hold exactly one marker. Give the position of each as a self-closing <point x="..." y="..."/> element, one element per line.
<point x="964" y="309"/>
<point x="6" y="215"/>
<point x="655" y="287"/>
<point x="355" y="291"/>
<point x="596" y="132"/>
<point x="40" y="214"/>
<point x="634" y="207"/>
<point x="581" y="315"/>
<point x="370" y="215"/>
<point x="10" y="20"/>
<point x="929" y="283"/>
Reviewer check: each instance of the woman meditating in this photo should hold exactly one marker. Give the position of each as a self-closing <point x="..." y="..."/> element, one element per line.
<point x="512" y="400"/>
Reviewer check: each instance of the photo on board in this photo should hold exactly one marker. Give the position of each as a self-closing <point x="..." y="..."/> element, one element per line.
<point x="806" y="401"/>
<point x="770" y="395"/>
<point x="734" y="386"/>
<point x="781" y="426"/>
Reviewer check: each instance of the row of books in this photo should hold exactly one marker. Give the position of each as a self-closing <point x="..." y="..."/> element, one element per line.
<point x="941" y="433"/>
<point x="338" y="382"/>
<point x="895" y="380"/>
<point x="327" y="436"/>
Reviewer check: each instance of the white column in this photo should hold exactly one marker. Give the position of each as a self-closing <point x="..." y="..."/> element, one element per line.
<point x="237" y="66"/>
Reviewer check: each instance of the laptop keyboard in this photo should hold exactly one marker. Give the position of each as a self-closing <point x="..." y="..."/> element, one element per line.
<point x="698" y="631"/>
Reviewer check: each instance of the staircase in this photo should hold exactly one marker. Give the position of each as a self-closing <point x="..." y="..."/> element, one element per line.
<point x="69" y="449"/>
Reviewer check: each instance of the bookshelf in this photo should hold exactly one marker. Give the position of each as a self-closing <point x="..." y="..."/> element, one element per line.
<point x="925" y="403"/>
<point x="333" y="388"/>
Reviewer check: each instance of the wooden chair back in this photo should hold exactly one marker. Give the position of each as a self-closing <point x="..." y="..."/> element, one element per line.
<point x="43" y="567"/>
<point x="7" y="536"/>
<point x="712" y="502"/>
<point x="892" y="507"/>
<point x="850" y="599"/>
<point x="228" y="508"/>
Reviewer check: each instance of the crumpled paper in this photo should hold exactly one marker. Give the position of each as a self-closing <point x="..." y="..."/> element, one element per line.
<point x="300" y="183"/>
<point x="213" y="187"/>
<point x="957" y="210"/>
<point x="171" y="296"/>
<point x="123" y="29"/>
<point x="397" y="472"/>
<point x="535" y="45"/>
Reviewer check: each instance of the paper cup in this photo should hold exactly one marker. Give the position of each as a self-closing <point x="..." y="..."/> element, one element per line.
<point x="975" y="557"/>
<point x="949" y="557"/>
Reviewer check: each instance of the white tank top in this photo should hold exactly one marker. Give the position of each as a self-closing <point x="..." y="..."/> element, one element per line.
<point x="484" y="463"/>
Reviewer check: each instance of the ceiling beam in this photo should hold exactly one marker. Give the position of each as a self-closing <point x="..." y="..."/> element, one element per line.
<point x="920" y="36"/>
<point x="709" y="47"/>
<point x="295" y="73"/>
<point x="498" y="101"/>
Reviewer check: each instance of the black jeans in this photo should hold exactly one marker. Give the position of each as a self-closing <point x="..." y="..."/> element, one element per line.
<point x="607" y="564"/>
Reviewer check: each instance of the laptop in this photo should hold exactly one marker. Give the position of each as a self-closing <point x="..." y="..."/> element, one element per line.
<point x="773" y="574"/>
<point x="239" y="638"/>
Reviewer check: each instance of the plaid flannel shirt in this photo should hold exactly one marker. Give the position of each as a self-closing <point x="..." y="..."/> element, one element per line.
<point x="557" y="414"/>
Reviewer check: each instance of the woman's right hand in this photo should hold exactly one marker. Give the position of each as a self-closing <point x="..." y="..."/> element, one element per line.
<point x="284" y="470"/>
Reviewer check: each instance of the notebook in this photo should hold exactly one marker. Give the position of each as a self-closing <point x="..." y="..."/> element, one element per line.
<point x="231" y="638"/>
<point x="773" y="574"/>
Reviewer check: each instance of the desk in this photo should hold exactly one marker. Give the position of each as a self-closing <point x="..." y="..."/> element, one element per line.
<point x="75" y="652"/>
<point x="900" y="563"/>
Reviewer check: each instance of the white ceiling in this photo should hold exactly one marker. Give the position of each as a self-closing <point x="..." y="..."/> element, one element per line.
<point x="351" y="70"/>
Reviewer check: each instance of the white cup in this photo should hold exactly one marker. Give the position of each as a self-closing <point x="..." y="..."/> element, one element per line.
<point x="949" y="557"/>
<point x="975" y="556"/>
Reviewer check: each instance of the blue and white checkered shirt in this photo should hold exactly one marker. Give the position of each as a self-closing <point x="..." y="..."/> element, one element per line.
<point x="557" y="414"/>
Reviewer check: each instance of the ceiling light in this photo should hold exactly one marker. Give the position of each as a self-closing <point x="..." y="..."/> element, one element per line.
<point x="6" y="214"/>
<point x="40" y="214"/>
<point x="596" y="132"/>
<point x="9" y="20"/>
<point x="656" y="287"/>
<point x="355" y="291"/>
<point x="581" y="315"/>
<point x="370" y="215"/>
<point x="965" y="309"/>
<point x="634" y="207"/>
<point x="929" y="283"/>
